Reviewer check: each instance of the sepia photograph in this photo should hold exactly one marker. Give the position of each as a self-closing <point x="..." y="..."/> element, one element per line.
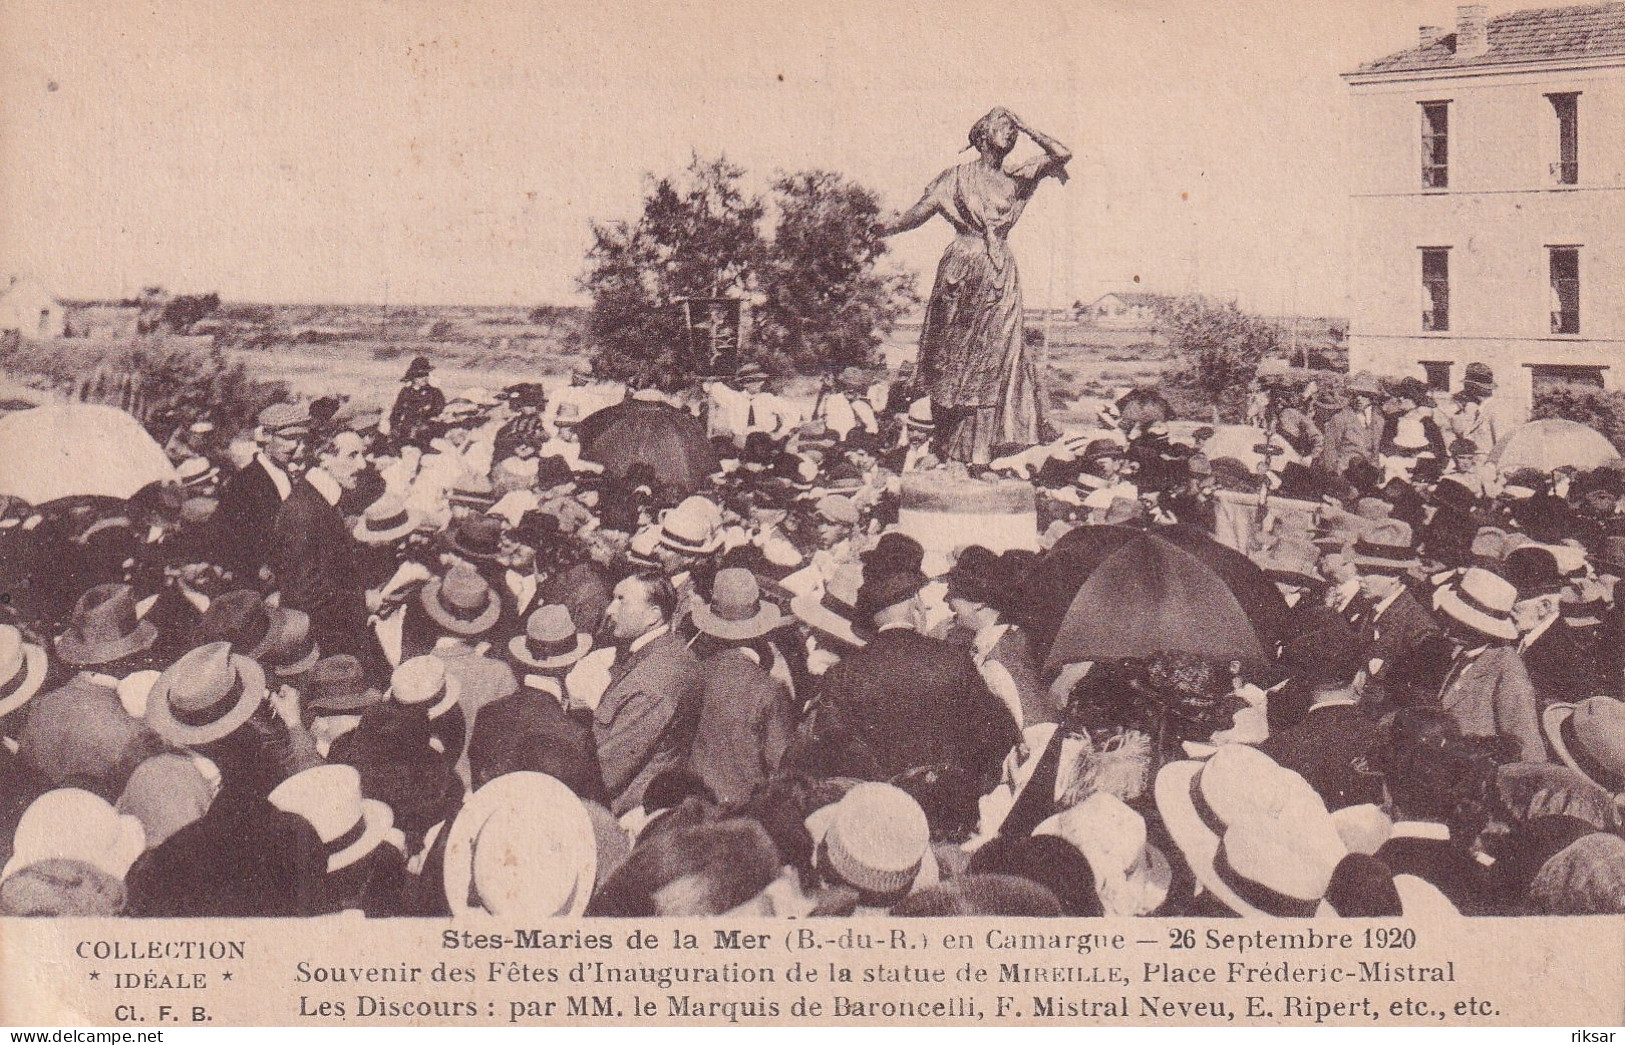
<point x="620" y="513"/>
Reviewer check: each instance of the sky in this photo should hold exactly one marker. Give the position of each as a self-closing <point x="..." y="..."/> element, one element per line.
<point x="453" y="152"/>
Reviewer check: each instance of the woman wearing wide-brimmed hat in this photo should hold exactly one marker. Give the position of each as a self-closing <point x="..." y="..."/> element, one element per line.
<point x="747" y="715"/>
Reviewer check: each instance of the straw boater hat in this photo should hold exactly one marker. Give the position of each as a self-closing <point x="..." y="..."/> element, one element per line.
<point x="550" y="641"/>
<point x="462" y="602"/>
<point x="918" y="418"/>
<point x="329" y="798"/>
<point x="736" y="610"/>
<point x="1590" y="738"/>
<point x="194" y="471"/>
<point x="1480" y="600"/>
<point x="423" y="680"/>
<point x="750" y="373"/>
<point x="205" y="695"/>
<point x="1256" y="835"/>
<point x="386" y="519"/>
<point x="521" y="847"/>
<point x="1131" y="875"/>
<point x="104" y="627"/>
<point x="22" y="669"/>
<point x="694" y="527"/>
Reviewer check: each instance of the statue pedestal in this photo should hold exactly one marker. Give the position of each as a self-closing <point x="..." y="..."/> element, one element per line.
<point x="944" y="512"/>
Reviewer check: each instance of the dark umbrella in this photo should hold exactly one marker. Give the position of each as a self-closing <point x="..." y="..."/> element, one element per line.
<point x="668" y="440"/>
<point x="1151" y="595"/>
<point x="1050" y="587"/>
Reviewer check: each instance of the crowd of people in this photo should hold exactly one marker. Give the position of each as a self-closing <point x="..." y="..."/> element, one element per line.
<point x="446" y="662"/>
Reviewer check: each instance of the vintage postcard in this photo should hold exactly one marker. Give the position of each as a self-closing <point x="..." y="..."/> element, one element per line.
<point x="1039" y="513"/>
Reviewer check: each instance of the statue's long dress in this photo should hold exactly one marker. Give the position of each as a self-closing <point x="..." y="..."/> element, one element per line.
<point x="984" y="385"/>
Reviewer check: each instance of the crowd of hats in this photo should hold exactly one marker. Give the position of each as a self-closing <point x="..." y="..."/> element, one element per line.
<point x="385" y="789"/>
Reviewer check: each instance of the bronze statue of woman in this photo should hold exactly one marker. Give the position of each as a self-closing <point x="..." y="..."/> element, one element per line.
<point x="985" y="386"/>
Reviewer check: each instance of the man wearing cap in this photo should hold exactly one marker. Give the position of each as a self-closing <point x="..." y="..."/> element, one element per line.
<point x="412" y="419"/>
<point x="252" y="497"/>
<point x="909" y="699"/>
<point x="1356" y="430"/>
<point x="313" y="555"/>
<point x="1488" y="691"/>
<point x="645" y="720"/>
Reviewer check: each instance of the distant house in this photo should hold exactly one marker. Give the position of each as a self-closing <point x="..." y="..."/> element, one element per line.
<point x="1125" y="310"/>
<point x="30" y="310"/>
<point x="1488" y="186"/>
<point x="102" y="320"/>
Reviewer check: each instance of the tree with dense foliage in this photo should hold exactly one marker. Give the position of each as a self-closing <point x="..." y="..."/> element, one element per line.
<point x="827" y="302"/>
<point x="183" y="310"/>
<point x="697" y="237"/>
<point x="817" y="297"/>
<point x="1217" y="348"/>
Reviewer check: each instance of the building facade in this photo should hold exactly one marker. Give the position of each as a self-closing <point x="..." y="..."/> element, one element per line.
<point x="29" y="309"/>
<point x="1488" y="203"/>
<point x="1125" y="310"/>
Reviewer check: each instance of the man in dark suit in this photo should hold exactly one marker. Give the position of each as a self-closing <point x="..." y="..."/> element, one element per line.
<point x="1329" y="745"/>
<point x="1394" y="624"/>
<point x="909" y="699"/>
<point x="313" y="556"/>
<point x="1563" y="658"/>
<point x="645" y="721"/>
<point x="251" y="499"/>
<point x="1356" y="430"/>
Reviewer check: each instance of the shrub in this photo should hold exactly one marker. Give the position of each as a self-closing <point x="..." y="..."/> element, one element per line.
<point x="1216" y="349"/>
<point x="165" y="382"/>
<point x="1604" y="411"/>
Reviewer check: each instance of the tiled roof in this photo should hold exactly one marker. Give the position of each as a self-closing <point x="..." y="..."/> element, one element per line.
<point x="1592" y="31"/>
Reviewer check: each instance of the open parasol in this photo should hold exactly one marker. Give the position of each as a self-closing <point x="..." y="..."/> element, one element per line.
<point x="77" y="450"/>
<point x="1051" y="587"/>
<point x="1550" y="444"/>
<point x="1148" y="596"/>
<point x="668" y="440"/>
